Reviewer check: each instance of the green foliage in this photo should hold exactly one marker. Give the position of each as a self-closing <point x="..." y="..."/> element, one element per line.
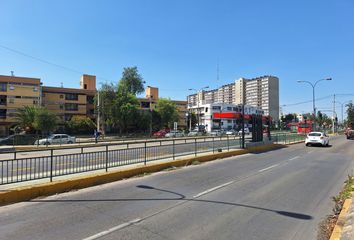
<point x="44" y="120"/>
<point x="107" y="95"/>
<point x="288" y="118"/>
<point x="80" y="124"/>
<point x="350" y="114"/>
<point x="25" y="118"/>
<point x="167" y="111"/>
<point x="132" y="80"/>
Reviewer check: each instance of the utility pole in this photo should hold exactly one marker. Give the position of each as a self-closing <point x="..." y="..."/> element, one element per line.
<point x="98" y="111"/>
<point x="334" y="113"/>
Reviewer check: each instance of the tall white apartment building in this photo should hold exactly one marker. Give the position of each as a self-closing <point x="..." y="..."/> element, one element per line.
<point x="261" y="92"/>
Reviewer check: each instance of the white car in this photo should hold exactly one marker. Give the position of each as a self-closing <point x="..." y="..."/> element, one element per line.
<point x="247" y="131"/>
<point x="56" y="139"/>
<point x="317" y="138"/>
<point x="174" y="134"/>
<point x="194" y="133"/>
<point x="231" y="132"/>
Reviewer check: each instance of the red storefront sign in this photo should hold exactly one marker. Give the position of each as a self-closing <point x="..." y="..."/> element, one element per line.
<point x="226" y="115"/>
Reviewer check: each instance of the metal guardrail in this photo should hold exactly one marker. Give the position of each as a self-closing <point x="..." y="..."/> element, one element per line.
<point x="53" y="165"/>
<point x="49" y="166"/>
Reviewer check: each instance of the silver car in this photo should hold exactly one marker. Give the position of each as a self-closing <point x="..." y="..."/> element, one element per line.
<point x="56" y="139"/>
<point x="174" y="134"/>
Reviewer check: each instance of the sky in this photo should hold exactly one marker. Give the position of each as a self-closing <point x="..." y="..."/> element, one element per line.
<point x="178" y="45"/>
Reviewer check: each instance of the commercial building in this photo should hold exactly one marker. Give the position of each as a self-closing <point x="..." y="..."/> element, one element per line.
<point x="261" y="92"/>
<point x="223" y="115"/>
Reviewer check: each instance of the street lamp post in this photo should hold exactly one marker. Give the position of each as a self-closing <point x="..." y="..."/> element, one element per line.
<point x="197" y="92"/>
<point x="313" y="85"/>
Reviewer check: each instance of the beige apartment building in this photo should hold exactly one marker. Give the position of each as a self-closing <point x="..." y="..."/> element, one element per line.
<point x="151" y="98"/>
<point x="16" y="92"/>
<point x="261" y="92"/>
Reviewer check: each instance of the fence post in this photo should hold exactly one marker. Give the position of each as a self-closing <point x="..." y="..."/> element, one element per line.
<point x="173" y="149"/>
<point x="195" y="147"/>
<point x="228" y="144"/>
<point x="145" y="153"/>
<point x="15" y="155"/>
<point x="51" y="165"/>
<point x="106" y="158"/>
<point x="213" y="146"/>
<point x="82" y="150"/>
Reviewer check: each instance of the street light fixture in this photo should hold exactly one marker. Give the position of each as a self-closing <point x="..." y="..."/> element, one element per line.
<point x="313" y="85"/>
<point x="197" y="92"/>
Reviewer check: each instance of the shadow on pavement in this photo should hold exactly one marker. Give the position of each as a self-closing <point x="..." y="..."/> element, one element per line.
<point x="180" y="197"/>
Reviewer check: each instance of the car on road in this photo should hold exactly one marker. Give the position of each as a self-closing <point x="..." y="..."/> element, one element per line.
<point x="56" y="139"/>
<point x="195" y="133"/>
<point x="317" y="138"/>
<point x="350" y="134"/>
<point x="217" y="132"/>
<point x="246" y="130"/>
<point x="20" y="139"/>
<point x="174" y="134"/>
<point x="161" y="133"/>
<point x="231" y="132"/>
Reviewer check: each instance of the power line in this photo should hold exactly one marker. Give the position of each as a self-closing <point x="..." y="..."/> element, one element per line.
<point x="304" y="102"/>
<point x="46" y="62"/>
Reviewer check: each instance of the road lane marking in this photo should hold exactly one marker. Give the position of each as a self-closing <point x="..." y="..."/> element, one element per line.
<point x="293" y="158"/>
<point x="267" y="168"/>
<point x="113" y="229"/>
<point x="213" y="189"/>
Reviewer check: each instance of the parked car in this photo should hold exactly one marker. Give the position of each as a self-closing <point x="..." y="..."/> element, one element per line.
<point x="20" y="139"/>
<point x="217" y="132"/>
<point x="56" y="139"/>
<point x="195" y="133"/>
<point x="246" y="130"/>
<point x="161" y="133"/>
<point x="231" y="132"/>
<point x="174" y="134"/>
<point x="317" y="138"/>
<point x="350" y="134"/>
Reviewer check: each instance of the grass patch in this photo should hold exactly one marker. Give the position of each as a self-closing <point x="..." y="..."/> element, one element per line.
<point x="142" y="174"/>
<point x="196" y="163"/>
<point x="328" y="224"/>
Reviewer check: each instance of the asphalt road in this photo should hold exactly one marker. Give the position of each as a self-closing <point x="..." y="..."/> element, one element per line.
<point x="281" y="194"/>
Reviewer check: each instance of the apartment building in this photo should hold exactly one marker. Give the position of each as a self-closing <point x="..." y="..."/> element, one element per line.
<point x="67" y="102"/>
<point x="261" y="92"/>
<point x="16" y="92"/>
<point x="151" y="99"/>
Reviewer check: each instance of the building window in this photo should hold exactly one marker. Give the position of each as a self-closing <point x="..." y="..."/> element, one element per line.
<point x="61" y="107"/>
<point x="71" y="106"/>
<point x="35" y="89"/>
<point x="71" y="96"/>
<point x="3" y="113"/>
<point x="12" y="87"/>
<point x="3" y="87"/>
<point x="90" y="99"/>
<point x="61" y="96"/>
<point x="35" y="102"/>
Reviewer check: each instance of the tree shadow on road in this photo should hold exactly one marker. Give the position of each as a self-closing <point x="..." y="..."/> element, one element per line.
<point x="180" y="197"/>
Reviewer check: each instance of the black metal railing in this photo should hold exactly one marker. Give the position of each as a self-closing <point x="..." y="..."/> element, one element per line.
<point x="50" y="164"/>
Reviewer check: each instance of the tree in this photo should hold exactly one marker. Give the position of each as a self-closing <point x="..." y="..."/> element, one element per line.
<point x="25" y="118"/>
<point x="107" y="95"/>
<point x="350" y="114"/>
<point x="80" y="124"/>
<point x="44" y="120"/>
<point x="288" y="118"/>
<point x="132" y="80"/>
<point x="124" y="108"/>
<point x="167" y="111"/>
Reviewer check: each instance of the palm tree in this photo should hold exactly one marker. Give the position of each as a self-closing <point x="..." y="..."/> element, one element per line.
<point x="25" y="118"/>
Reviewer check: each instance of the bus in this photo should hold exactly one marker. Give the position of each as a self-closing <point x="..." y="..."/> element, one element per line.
<point x="305" y="127"/>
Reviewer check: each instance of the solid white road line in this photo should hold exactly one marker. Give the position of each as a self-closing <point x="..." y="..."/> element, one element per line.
<point x="267" y="168"/>
<point x="213" y="189"/>
<point x="293" y="158"/>
<point x="123" y="225"/>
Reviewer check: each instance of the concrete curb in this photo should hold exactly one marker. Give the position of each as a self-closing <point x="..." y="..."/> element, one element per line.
<point x="337" y="231"/>
<point x="46" y="189"/>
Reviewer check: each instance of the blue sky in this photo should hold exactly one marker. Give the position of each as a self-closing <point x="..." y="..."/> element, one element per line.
<point x="176" y="45"/>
